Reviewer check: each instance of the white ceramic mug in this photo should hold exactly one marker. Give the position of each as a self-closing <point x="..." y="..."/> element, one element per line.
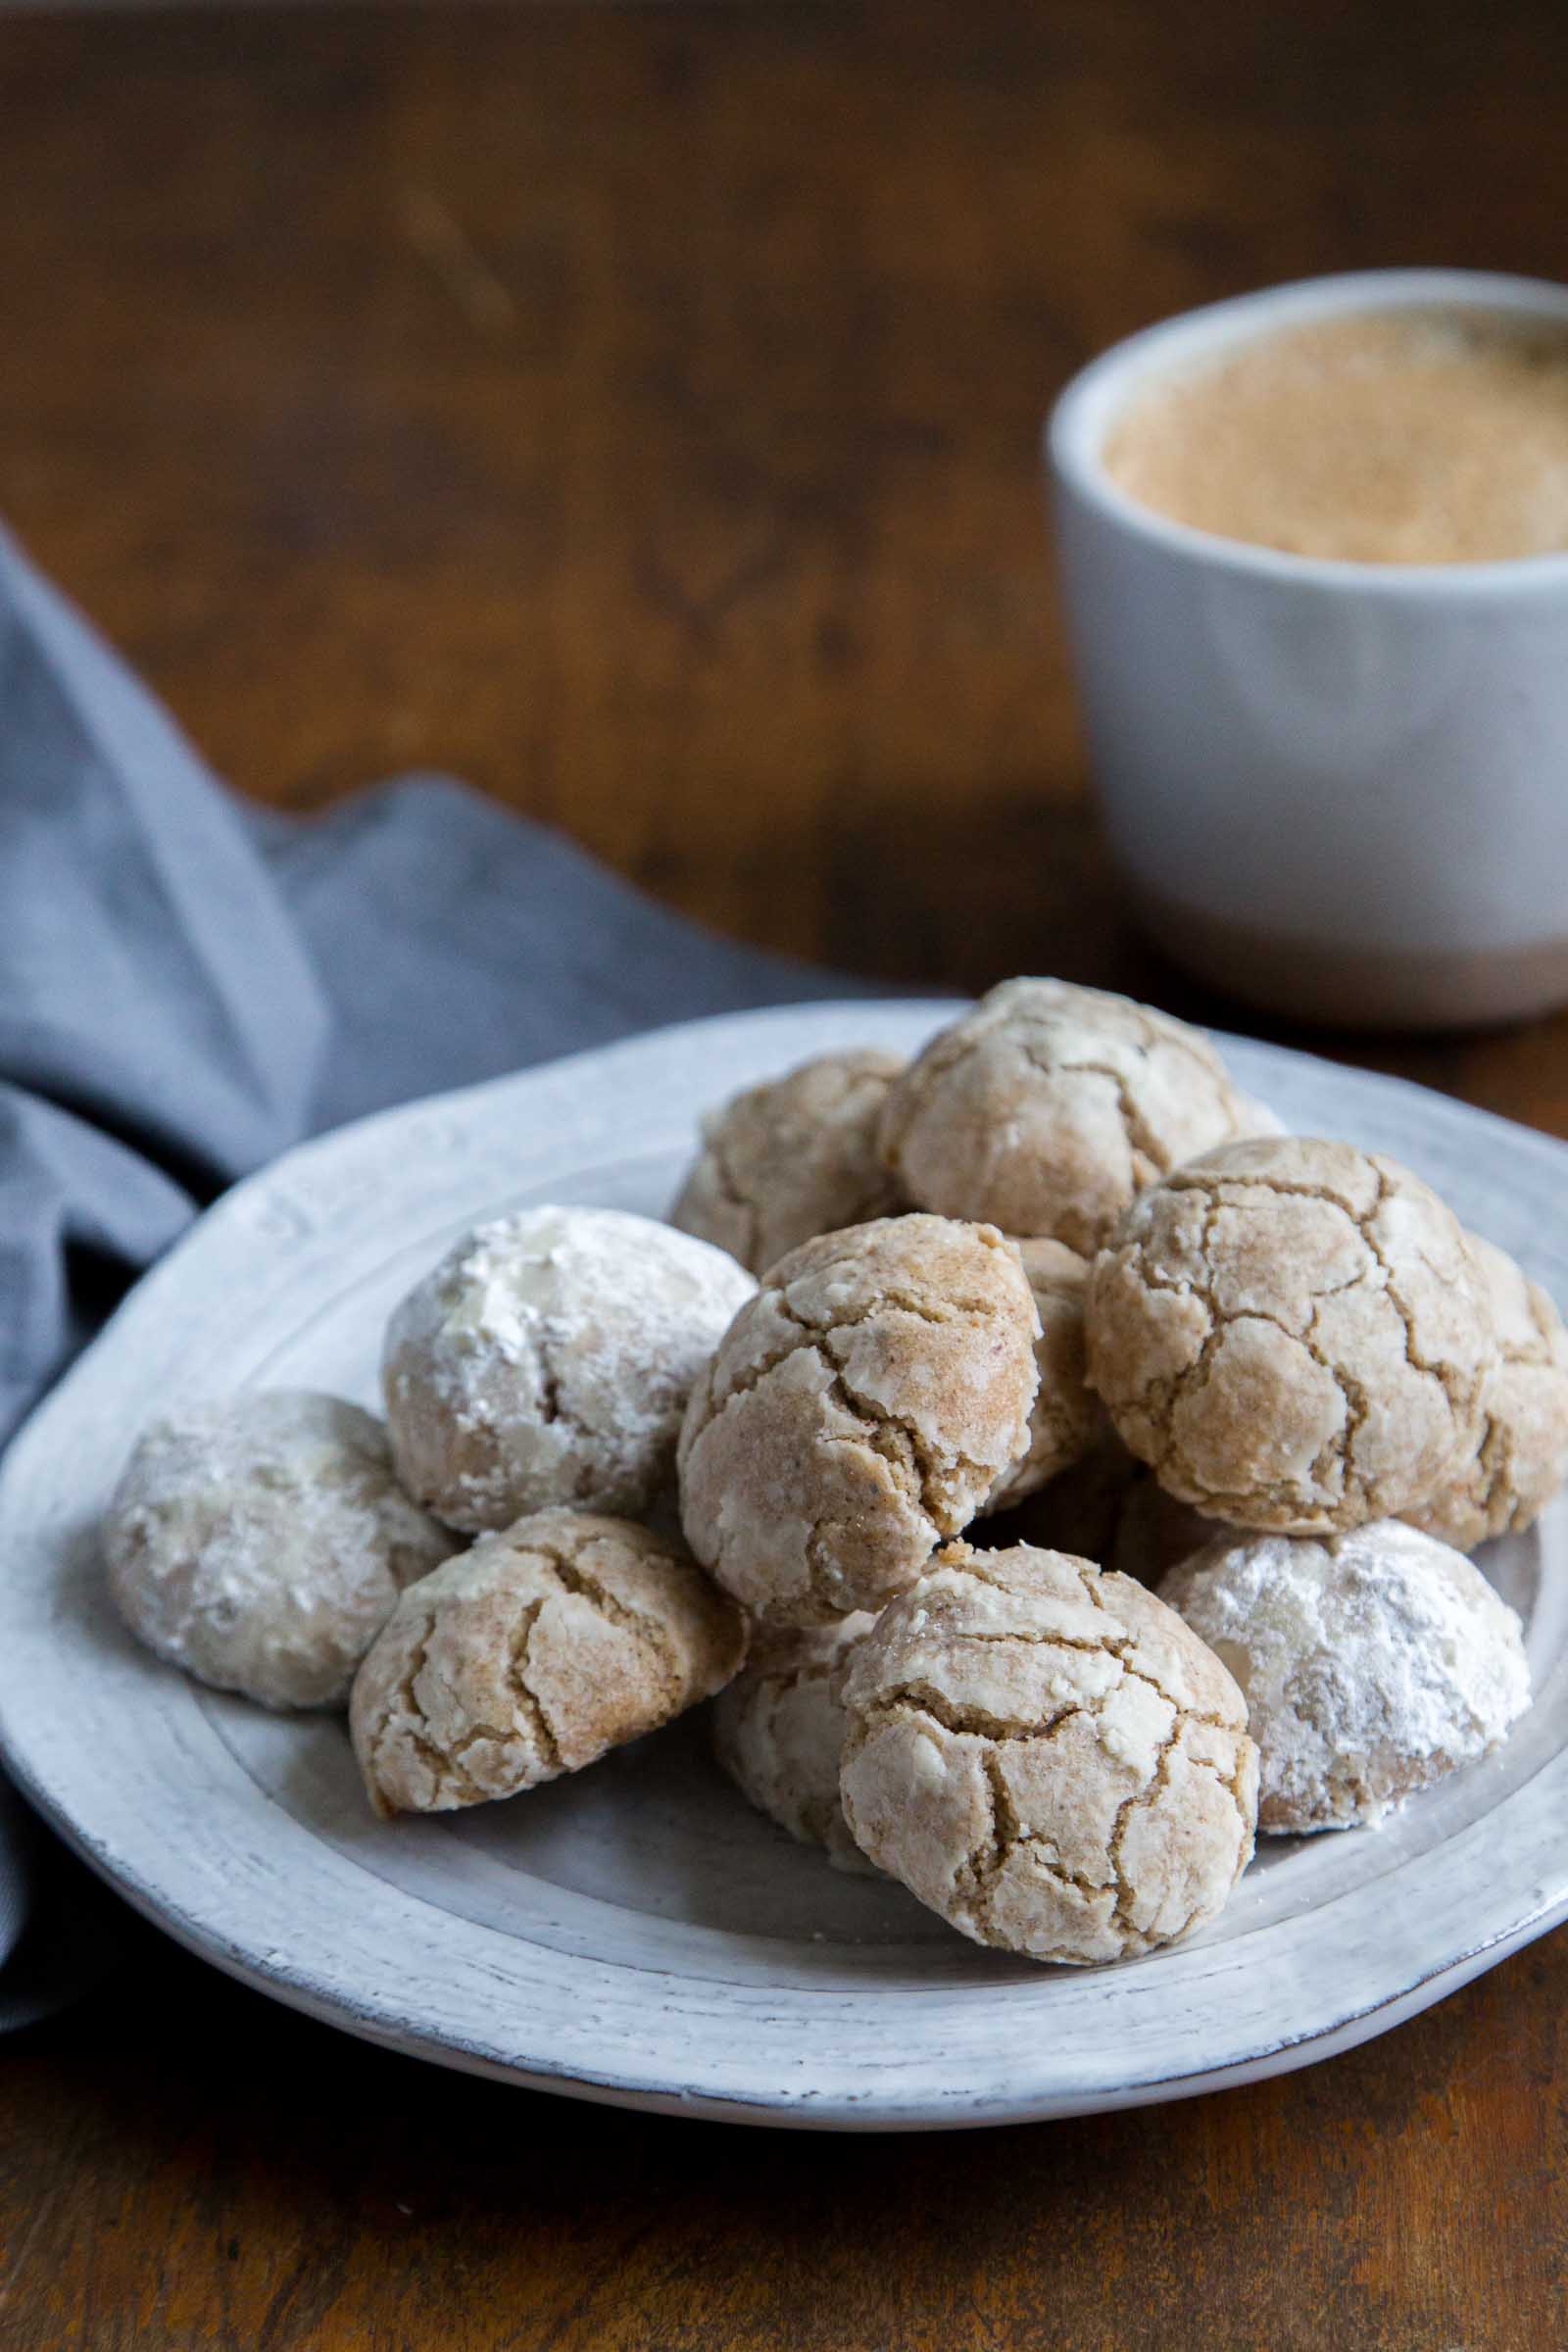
<point x="1338" y="789"/>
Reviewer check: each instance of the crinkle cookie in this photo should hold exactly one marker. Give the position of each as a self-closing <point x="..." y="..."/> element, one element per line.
<point x="1521" y="1457"/>
<point x="860" y="1408"/>
<point x="1048" y="1756"/>
<point x="1067" y="1413"/>
<point x="531" y="1656"/>
<point x="1372" y="1664"/>
<point x="548" y="1359"/>
<point x="796" y="1158"/>
<point x="778" y="1728"/>
<point x="261" y="1542"/>
<point x="1049" y="1108"/>
<point x="1291" y="1333"/>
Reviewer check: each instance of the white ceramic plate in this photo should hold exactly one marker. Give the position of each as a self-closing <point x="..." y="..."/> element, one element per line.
<point x="638" y="1935"/>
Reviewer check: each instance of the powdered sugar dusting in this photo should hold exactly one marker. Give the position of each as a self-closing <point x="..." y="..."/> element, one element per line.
<point x="261" y="1542"/>
<point x="548" y="1359"/>
<point x="1373" y="1663"/>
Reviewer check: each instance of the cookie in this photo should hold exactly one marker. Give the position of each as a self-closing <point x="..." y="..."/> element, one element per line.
<point x="533" y="1654"/>
<point x="1066" y="1416"/>
<point x="860" y="1408"/>
<point x="1291" y="1333"/>
<point x="1049" y="1108"/>
<point x="1373" y="1663"/>
<point x="548" y="1359"/>
<point x="1046" y="1755"/>
<point x="1520" y="1455"/>
<point x="778" y="1730"/>
<point x="783" y="1162"/>
<point x="261" y="1542"/>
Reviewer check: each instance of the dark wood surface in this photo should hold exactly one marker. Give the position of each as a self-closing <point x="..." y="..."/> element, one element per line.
<point x="636" y="414"/>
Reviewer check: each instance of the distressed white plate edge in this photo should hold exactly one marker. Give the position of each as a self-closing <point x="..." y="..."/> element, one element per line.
<point x="1510" y="1867"/>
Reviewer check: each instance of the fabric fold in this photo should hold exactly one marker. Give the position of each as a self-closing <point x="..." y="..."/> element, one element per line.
<point x="187" y="987"/>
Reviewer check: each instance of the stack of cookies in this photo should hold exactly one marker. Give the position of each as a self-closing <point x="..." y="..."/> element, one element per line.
<point x="948" y="1367"/>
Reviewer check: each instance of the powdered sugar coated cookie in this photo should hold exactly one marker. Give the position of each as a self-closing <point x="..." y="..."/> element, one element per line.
<point x="548" y="1359"/>
<point x="1372" y="1663"/>
<point x="261" y="1542"/>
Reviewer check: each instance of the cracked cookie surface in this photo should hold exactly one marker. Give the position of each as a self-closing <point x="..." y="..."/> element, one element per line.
<point x="786" y="1160"/>
<point x="1291" y="1334"/>
<point x="1046" y="1755"/>
<point x="1049" y="1108"/>
<point x="1521" y="1457"/>
<point x="548" y="1359"/>
<point x="858" y="1409"/>
<point x="261" y="1542"/>
<point x="533" y="1654"/>
<point x="778" y="1730"/>
<point x="1066" y="1414"/>
<point x="1372" y="1663"/>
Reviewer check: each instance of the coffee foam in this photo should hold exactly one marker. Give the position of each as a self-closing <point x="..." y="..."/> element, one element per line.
<point x="1400" y="436"/>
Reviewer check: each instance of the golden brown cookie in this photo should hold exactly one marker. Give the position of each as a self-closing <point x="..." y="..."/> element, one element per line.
<point x="1521" y="1457"/>
<point x="1048" y="1756"/>
<point x="531" y="1656"/>
<point x="1049" y="1108"/>
<point x="778" y="1728"/>
<point x="1066" y="1414"/>
<point x="860" y="1408"/>
<point x="1291" y="1332"/>
<point x="783" y="1162"/>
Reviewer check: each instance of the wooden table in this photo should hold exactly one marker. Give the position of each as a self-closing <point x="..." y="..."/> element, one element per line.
<point x="636" y="414"/>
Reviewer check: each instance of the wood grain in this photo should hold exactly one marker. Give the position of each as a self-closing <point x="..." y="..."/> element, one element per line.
<point x="636" y="414"/>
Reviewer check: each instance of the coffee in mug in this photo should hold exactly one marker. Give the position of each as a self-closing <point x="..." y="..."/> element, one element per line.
<point x="1329" y="724"/>
<point x="1410" y="435"/>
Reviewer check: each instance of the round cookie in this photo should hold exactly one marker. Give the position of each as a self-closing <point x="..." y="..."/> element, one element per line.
<point x="1521" y="1457"/>
<point x="1065" y="1415"/>
<point x="548" y="1359"/>
<point x="531" y="1656"/>
<point x="1291" y="1333"/>
<point x="1046" y="1755"/>
<point x="1372" y="1663"/>
<point x="1049" y="1108"/>
<point x="261" y="1542"/>
<point x="860" y="1408"/>
<point x="783" y="1162"/>
<point x="778" y="1728"/>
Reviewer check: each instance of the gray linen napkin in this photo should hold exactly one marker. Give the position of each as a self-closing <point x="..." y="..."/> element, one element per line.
<point x="186" y="989"/>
